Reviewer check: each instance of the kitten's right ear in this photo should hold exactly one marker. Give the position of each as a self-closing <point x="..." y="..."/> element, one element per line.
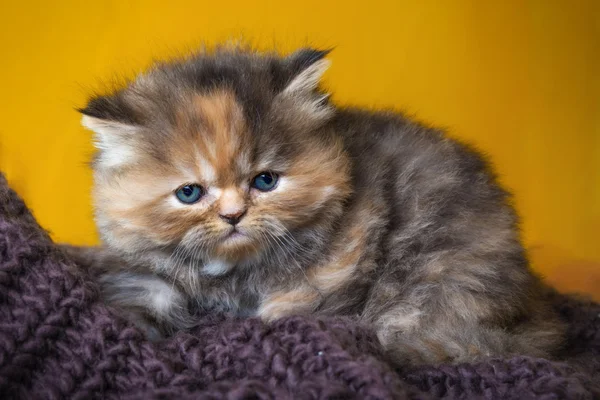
<point x="114" y="129"/>
<point x="107" y="132"/>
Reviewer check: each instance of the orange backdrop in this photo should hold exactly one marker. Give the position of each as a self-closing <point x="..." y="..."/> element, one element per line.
<point x="519" y="78"/>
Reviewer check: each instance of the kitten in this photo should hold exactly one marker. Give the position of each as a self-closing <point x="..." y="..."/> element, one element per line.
<point x="227" y="181"/>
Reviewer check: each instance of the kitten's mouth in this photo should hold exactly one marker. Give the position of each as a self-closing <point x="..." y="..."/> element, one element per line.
<point x="234" y="234"/>
<point x="236" y="243"/>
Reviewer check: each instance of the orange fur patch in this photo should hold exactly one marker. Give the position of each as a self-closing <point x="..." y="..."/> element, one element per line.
<point x="225" y="136"/>
<point x="280" y="304"/>
<point x="346" y="258"/>
<point x="342" y="264"/>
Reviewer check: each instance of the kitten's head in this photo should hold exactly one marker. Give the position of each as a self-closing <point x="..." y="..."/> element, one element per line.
<point x="222" y="157"/>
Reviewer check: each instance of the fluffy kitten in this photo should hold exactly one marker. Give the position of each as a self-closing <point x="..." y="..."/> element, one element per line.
<point x="227" y="181"/>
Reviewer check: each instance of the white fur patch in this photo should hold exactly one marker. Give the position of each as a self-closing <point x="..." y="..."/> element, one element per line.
<point x="207" y="171"/>
<point x="112" y="138"/>
<point x="217" y="267"/>
<point x="161" y="295"/>
<point x="116" y="156"/>
<point x="157" y="295"/>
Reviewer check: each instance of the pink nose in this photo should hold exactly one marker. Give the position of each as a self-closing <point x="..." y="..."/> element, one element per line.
<point x="233" y="218"/>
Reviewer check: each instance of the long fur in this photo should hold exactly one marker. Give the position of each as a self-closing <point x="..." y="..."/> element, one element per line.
<point x="374" y="215"/>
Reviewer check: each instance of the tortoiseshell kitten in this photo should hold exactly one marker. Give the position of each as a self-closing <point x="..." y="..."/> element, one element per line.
<point x="227" y="181"/>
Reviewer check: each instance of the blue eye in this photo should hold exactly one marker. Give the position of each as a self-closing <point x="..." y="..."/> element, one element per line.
<point x="189" y="194"/>
<point x="265" y="181"/>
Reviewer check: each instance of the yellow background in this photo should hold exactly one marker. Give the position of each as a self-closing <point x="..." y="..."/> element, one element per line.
<point x="518" y="78"/>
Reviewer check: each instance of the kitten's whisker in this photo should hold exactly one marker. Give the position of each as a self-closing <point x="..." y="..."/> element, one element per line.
<point x="285" y="236"/>
<point x="267" y="243"/>
<point x="173" y="260"/>
<point x="289" y="256"/>
<point x="193" y="268"/>
<point x="289" y="238"/>
<point x="179" y="259"/>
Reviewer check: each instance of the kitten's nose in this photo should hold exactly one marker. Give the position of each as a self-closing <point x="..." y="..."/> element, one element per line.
<point x="233" y="219"/>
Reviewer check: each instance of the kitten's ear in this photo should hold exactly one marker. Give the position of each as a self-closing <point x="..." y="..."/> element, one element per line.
<point x="309" y="105"/>
<point x="307" y="66"/>
<point x="107" y="132"/>
<point x="114" y="128"/>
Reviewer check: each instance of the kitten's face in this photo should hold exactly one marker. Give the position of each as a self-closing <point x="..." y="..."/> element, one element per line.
<point x="207" y="176"/>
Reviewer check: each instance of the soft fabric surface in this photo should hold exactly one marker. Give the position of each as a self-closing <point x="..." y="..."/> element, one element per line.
<point x="58" y="341"/>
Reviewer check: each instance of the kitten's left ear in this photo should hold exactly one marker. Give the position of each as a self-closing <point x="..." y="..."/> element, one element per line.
<point x="306" y="68"/>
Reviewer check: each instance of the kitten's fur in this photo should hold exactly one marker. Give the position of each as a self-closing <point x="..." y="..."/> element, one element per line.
<point x="374" y="216"/>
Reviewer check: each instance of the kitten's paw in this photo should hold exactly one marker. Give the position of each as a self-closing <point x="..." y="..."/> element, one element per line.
<point x="282" y="304"/>
<point x="268" y="314"/>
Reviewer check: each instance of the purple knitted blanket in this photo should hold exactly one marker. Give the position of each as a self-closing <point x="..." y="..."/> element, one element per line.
<point x="58" y="341"/>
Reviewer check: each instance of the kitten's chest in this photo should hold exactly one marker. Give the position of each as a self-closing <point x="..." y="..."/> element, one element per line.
<point x="228" y="295"/>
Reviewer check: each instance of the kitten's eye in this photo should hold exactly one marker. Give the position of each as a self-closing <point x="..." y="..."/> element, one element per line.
<point x="189" y="194"/>
<point x="265" y="181"/>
